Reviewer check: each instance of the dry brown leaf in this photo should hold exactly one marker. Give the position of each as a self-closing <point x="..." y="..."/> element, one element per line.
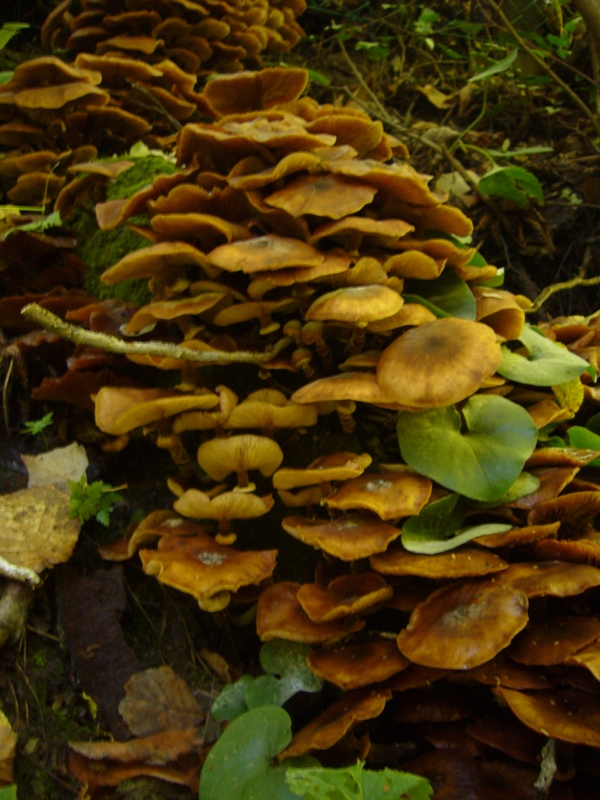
<point x="158" y="750"/>
<point x="8" y="746"/>
<point x="159" y="700"/>
<point x="218" y="665"/>
<point x="35" y="529"/>
<point x="437" y="98"/>
<point x="58" y="466"/>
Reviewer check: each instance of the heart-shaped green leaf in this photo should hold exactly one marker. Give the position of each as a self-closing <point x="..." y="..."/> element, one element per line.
<point x="513" y="183"/>
<point x="239" y="766"/>
<point x="436" y="528"/>
<point x="547" y="364"/>
<point x="481" y="463"/>
<point x="288" y="660"/>
<point x="446" y="296"/>
<point x="232" y="700"/>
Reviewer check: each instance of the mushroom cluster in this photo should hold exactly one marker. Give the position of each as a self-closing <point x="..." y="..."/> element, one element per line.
<point x="443" y="574"/>
<point x="210" y="36"/>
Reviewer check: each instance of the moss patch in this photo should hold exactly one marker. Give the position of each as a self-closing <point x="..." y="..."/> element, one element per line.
<point x="142" y="174"/>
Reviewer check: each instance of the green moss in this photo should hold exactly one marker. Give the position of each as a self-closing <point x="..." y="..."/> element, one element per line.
<point x="143" y="172"/>
<point x="101" y="250"/>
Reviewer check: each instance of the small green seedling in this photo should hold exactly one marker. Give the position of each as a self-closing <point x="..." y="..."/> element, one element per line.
<point x="93" y="500"/>
<point x="37" y="426"/>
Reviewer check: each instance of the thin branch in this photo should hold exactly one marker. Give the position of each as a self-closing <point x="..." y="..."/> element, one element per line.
<point x="112" y="344"/>
<point x="546" y="293"/>
<point x="593" y="118"/>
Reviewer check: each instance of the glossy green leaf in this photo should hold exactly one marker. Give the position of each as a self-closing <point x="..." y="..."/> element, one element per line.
<point x="525" y="484"/>
<point x="483" y="461"/>
<point x="10" y="29"/>
<point x="288" y="660"/>
<point x="357" y="783"/>
<point x="547" y="364"/>
<point x="232" y="700"/>
<point x="586" y="439"/>
<point x="436" y="528"/>
<point x="8" y="792"/>
<point x="500" y="66"/>
<point x="447" y="294"/>
<point x="513" y="183"/>
<point x="239" y="766"/>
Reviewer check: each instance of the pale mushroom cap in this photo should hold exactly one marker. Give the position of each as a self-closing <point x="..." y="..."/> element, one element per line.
<point x="225" y="506"/>
<point x="220" y="457"/>
<point x="439" y="363"/>
<point x="356" y="305"/>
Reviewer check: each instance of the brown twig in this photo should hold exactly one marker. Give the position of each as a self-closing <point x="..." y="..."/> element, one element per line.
<point x="593" y="118"/>
<point x="112" y="344"/>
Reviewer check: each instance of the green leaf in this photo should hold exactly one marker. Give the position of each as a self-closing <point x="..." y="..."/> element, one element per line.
<point x="586" y="439"/>
<point x="288" y="660"/>
<point x="593" y="424"/>
<point x="317" y="77"/>
<point x="10" y="29"/>
<point x="436" y="529"/>
<point x="39" y="225"/>
<point x="92" y="500"/>
<point x="481" y="463"/>
<point x="231" y="702"/>
<point x="525" y="484"/>
<point x="548" y="363"/>
<point x="446" y="296"/>
<point x="495" y="69"/>
<point x="8" y="792"/>
<point x="516" y="184"/>
<point x="35" y="426"/>
<point x="239" y="765"/>
<point x="356" y="783"/>
<point x="5" y="77"/>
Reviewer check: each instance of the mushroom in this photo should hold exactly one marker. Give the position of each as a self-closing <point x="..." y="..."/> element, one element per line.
<point x="224" y="507"/>
<point x="349" y="537"/>
<point x="356" y="665"/>
<point x="389" y="495"/>
<point x="220" y="457"/>
<point x="438" y="363"/>
<point x="346" y="595"/>
<point x="464" y="624"/>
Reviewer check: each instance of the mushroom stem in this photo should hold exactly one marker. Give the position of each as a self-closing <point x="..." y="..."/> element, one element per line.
<point x="357" y="342"/>
<point x="345" y="409"/>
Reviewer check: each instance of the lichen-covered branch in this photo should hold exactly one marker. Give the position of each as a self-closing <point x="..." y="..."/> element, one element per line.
<point x="546" y="293"/>
<point x="112" y="344"/>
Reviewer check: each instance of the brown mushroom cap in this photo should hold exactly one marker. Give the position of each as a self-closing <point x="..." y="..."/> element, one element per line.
<point x="280" y="616"/>
<point x="349" y="537"/>
<point x="333" y="467"/>
<point x="389" y="495"/>
<point x="252" y="91"/>
<point x="356" y="305"/>
<point x="269" y="252"/>
<point x="199" y="566"/>
<point x="348" y="594"/>
<point x="338" y="719"/>
<point x="438" y="363"/>
<point x="568" y="715"/>
<point x="554" y="640"/>
<point x="332" y="196"/>
<point x="465" y="562"/>
<point x="358" y="386"/>
<point x="223" y="507"/>
<point x="220" y="457"/>
<point x="165" y="257"/>
<point x="267" y="409"/>
<point x="356" y="665"/>
<point x="554" y="578"/>
<point x="121" y="409"/>
<point x="464" y="624"/>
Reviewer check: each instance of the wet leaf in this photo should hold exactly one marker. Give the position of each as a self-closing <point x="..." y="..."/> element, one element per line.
<point x="481" y="463"/>
<point x="159" y="700"/>
<point x="35" y="529"/>
<point x="446" y="296"/>
<point x="249" y="744"/>
<point x="546" y="365"/>
<point x="516" y="184"/>
<point x="356" y="783"/>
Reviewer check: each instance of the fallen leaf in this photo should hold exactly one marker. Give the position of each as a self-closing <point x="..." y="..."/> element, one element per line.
<point x="58" y="466"/>
<point x="8" y="746"/>
<point x="437" y="98"/>
<point x="156" y="750"/>
<point x="35" y="529"/>
<point x="159" y="700"/>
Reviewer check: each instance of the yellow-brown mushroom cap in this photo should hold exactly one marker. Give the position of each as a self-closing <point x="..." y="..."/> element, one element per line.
<point x="389" y="495"/>
<point x="333" y="467"/>
<point x="464" y="624"/>
<point x="465" y="562"/>
<point x="220" y="457"/>
<point x="356" y="665"/>
<point x="349" y="537"/>
<point x="438" y="363"/>
<point x="348" y="594"/>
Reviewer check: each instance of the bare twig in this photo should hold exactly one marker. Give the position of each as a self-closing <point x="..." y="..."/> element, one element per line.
<point x="112" y="344"/>
<point x="546" y="293"/>
<point x="593" y="118"/>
